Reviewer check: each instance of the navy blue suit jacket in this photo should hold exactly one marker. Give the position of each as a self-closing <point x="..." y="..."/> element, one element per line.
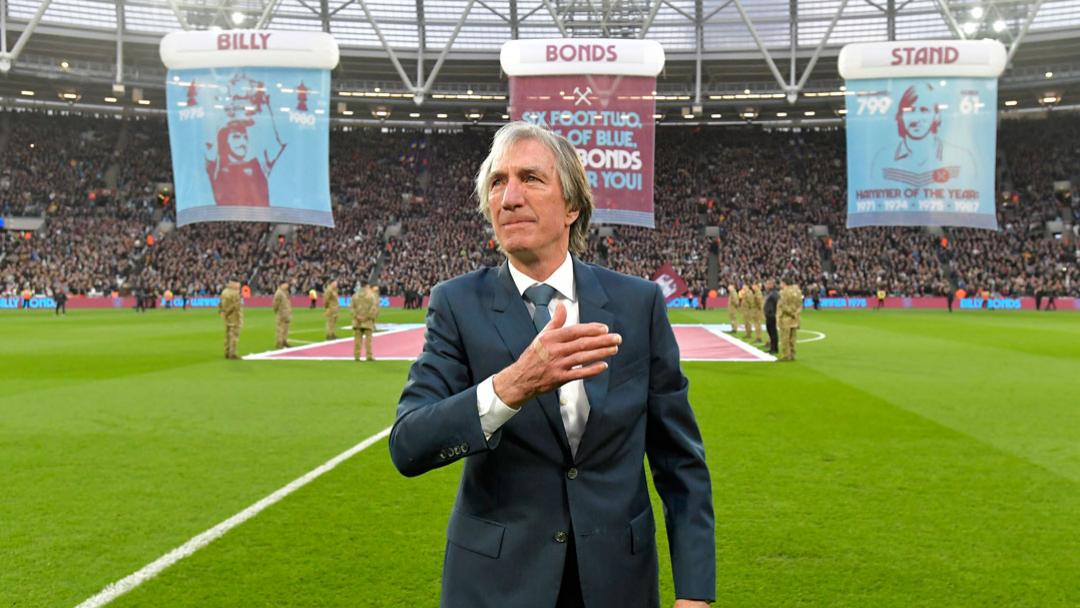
<point x="522" y="488"/>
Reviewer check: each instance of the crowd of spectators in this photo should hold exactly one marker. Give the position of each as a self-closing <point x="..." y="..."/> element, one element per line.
<point x="442" y="235"/>
<point x="201" y="263"/>
<point x="86" y="254"/>
<point x="406" y="216"/>
<point x="51" y="165"/>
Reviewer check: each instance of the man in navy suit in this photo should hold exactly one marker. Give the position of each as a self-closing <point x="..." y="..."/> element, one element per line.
<point x="554" y="380"/>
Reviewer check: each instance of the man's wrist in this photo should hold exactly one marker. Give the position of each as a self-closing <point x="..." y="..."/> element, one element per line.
<point x="506" y="389"/>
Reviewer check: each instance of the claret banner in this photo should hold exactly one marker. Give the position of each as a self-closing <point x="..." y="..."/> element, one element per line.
<point x="671" y="283"/>
<point x="599" y="94"/>
<point x="249" y="125"/>
<point x="922" y="132"/>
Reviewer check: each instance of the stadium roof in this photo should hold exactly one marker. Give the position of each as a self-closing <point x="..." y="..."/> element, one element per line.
<point x="749" y="53"/>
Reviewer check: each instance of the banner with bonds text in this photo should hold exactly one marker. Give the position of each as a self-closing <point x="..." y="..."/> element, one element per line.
<point x="249" y="125"/>
<point x="921" y="132"/>
<point x="600" y="95"/>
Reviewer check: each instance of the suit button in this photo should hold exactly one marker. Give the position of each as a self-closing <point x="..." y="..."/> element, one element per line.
<point x="560" y="536"/>
<point x="572" y="473"/>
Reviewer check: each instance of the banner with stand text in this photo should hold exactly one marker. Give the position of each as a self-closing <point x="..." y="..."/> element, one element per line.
<point x="249" y="125"/>
<point x="599" y="94"/>
<point x="922" y="132"/>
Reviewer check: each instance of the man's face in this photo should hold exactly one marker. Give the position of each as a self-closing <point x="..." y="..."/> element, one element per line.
<point x="238" y="144"/>
<point x="918" y="118"/>
<point x="528" y="212"/>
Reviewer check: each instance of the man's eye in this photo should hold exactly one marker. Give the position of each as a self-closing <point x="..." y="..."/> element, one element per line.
<point x="497" y="181"/>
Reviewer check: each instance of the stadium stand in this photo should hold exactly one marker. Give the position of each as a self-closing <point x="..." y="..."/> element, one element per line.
<point x="406" y="215"/>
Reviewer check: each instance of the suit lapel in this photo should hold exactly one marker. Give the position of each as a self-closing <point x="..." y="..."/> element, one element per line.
<point x="515" y="327"/>
<point x="592" y="302"/>
<point x="511" y="317"/>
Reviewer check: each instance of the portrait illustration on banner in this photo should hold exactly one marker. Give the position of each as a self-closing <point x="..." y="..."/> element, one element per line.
<point x="920" y="122"/>
<point x="920" y="155"/>
<point x="249" y="125"/>
<point x="240" y="158"/>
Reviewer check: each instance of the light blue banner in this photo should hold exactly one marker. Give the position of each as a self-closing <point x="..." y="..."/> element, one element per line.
<point x="684" y="302"/>
<point x="193" y="302"/>
<point x="384" y="301"/>
<point x="920" y="152"/>
<point x="250" y="144"/>
<point x="992" y="303"/>
<point x="836" y="303"/>
<point x="35" y="302"/>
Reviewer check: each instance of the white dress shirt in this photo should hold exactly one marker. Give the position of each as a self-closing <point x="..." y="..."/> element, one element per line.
<point x="573" y="402"/>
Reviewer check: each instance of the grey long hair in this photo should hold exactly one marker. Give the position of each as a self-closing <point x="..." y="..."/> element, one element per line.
<point x="575" y="186"/>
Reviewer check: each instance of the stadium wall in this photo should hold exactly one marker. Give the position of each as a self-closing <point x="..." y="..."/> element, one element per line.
<point x="862" y="303"/>
<point x="196" y="302"/>
<point x="301" y="301"/>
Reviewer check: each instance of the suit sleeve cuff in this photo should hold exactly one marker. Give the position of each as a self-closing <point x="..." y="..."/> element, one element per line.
<point x="493" y="412"/>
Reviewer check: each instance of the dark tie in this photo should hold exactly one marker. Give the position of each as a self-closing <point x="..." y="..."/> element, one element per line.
<point x="540" y="295"/>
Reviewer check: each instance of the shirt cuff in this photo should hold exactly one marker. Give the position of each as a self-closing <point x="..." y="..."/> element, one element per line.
<point x="493" y="412"/>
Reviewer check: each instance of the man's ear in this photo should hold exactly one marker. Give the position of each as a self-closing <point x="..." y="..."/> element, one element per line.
<point x="571" y="216"/>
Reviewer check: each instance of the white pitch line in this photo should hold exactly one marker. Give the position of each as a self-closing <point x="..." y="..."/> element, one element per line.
<point x="122" y="586"/>
<point x="818" y="336"/>
<point x="388" y="327"/>
<point x="756" y="353"/>
<point x="289" y="358"/>
<point x="270" y="354"/>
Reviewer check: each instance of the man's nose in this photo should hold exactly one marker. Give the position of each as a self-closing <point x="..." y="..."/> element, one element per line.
<point x="513" y="194"/>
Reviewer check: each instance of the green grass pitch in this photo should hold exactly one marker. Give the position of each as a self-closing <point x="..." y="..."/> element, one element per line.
<point x="911" y="458"/>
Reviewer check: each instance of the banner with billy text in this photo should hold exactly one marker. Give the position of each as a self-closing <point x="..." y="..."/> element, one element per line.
<point x="249" y="125"/>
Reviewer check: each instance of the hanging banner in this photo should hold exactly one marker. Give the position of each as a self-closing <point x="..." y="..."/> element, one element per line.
<point x="249" y="125"/>
<point x="922" y="132"/>
<point x="599" y="94"/>
<point x="671" y="284"/>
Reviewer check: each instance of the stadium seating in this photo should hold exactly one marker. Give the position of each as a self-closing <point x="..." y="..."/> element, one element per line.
<point x="406" y="215"/>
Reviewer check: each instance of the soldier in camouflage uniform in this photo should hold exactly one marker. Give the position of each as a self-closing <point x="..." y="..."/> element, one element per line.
<point x="733" y="308"/>
<point x="788" y="317"/>
<point x="365" y="310"/>
<point x="283" y="313"/>
<point x="745" y="310"/>
<point x="330" y="301"/>
<point x="757" y="310"/>
<point x="230" y="307"/>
